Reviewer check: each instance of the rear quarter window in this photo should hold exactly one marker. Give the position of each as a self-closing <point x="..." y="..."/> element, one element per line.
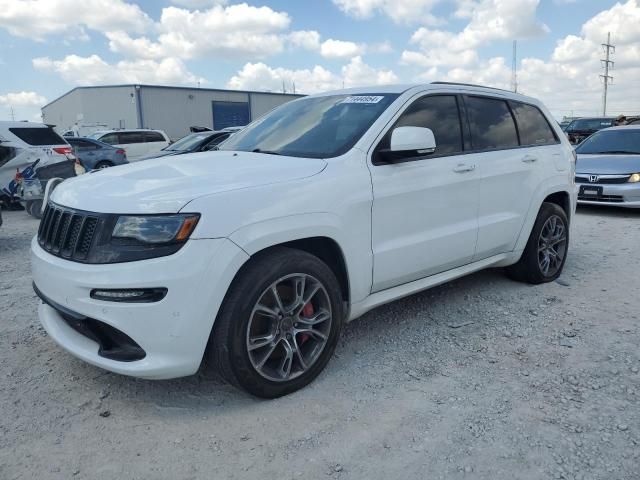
<point x="154" y="137"/>
<point x="6" y="154"/>
<point x="533" y="126"/>
<point x="492" y="124"/>
<point x="38" y="136"/>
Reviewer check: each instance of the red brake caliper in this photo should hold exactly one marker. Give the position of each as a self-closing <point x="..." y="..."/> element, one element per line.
<point x="307" y="312"/>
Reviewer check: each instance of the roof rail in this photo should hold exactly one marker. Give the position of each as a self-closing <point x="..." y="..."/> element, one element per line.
<point x="470" y="85"/>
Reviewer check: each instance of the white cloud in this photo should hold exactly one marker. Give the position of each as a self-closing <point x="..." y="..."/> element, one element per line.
<point x="340" y="49"/>
<point x="22" y="99"/>
<point x="400" y="11"/>
<point x="489" y="21"/>
<point x="259" y="76"/>
<point x="357" y="73"/>
<point x="228" y="32"/>
<point x="568" y="81"/>
<point x="198" y="4"/>
<point x="38" y="19"/>
<point x="307" y="39"/>
<point x="93" y="70"/>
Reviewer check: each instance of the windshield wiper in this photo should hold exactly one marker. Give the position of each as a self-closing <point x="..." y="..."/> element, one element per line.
<point x="268" y="152"/>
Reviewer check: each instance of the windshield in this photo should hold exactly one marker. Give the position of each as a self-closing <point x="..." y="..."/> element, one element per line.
<point x="612" y="141"/>
<point x="188" y="142"/>
<point x="589" y="124"/>
<point x="312" y="127"/>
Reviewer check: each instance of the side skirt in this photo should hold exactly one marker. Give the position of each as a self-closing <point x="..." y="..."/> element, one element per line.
<point x="401" y="291"/>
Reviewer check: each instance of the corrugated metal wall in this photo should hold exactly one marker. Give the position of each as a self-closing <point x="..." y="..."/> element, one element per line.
<point x="113" y="106"/>
<point x="174" y="110"/>
<point x="171" y="109"/>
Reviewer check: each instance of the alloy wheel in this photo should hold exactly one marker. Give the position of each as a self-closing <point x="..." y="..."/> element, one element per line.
<point x="552" y="245"/>
<point x="289" y="327"/>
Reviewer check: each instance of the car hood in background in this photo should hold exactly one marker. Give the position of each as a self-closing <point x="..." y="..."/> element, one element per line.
<point x="162" y="153"/>
<point x="608" y="164"/>
<point x="165" y="185"/>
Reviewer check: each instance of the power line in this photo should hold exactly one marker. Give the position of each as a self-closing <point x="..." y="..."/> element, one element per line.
<point x="608" y="49"/>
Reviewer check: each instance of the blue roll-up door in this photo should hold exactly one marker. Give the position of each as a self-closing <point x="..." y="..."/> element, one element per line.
<point x="230" y="114"/>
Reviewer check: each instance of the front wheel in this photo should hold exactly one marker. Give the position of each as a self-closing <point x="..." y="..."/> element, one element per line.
<point x="279" y="324"/>
<point x="546" y="252"/>
<point x="34" y="208"/>
<point x="103" y="164"/>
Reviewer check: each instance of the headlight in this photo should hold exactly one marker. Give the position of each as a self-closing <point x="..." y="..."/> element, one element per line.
<point x="155" y="229"/>
<point x="634" y="178"/>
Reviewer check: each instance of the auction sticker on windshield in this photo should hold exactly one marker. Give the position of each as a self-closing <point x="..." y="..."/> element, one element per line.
<point x="363" y="99"/>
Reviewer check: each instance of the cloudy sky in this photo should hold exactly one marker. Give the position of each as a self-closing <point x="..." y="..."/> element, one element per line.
<point x="49" y="46"/>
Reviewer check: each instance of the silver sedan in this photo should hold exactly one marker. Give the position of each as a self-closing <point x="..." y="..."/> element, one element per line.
<point x="608" y="167"/>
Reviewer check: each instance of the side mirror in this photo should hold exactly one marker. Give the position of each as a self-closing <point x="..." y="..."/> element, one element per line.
<point x="412" y="139"/>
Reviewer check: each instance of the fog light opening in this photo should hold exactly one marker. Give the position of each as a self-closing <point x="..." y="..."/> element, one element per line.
<point x="132" y="295"/>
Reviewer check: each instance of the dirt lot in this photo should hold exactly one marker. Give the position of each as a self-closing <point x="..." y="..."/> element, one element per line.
<point x="482" y="378"/>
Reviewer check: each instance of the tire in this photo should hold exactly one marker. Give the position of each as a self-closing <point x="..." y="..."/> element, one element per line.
<point x="103" y="164"/>
<point x="240" y="323"/>
<point x="35" y="209"/>
<point x="531" y="266"/>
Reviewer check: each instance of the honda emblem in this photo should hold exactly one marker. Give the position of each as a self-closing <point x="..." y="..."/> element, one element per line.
<point x="594" y="178"/>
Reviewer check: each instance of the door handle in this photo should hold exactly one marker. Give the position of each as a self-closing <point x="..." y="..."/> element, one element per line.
<point x="529" y="159"/>
<point x="462" y="168"/>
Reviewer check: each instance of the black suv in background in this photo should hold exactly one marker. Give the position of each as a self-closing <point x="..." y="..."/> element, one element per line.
<point x="581" y="128"/>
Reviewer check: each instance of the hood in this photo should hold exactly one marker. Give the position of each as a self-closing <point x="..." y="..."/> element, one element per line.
<point x="162" y="153"/>
<point x="608" y="164"/>
<point x="165" y="185"/>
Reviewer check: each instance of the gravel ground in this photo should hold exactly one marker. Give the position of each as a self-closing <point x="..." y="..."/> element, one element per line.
<point x="482" y="378"/>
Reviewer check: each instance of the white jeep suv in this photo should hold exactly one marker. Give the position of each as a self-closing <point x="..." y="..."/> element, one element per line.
<point x="253" y="257"/>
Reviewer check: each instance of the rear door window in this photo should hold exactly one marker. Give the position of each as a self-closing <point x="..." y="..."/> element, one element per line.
<point x="153" y="137"/>
<point x="533" y="126"/>
<point x="492" y="125"/>
<point x="38" y="136"/>
<point x="127" y="138"/>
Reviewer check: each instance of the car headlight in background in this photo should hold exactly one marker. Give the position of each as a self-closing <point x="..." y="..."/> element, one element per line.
<point x="155" y="229"/>
<point x="634" y="178"/>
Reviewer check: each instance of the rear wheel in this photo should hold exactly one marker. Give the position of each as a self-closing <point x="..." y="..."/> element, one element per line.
<point x="279" y="323"/>
<point x="546" y="251"/>
<point x="103" y="164"/>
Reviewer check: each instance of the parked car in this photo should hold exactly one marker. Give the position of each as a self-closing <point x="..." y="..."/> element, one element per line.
<point x="137" y="143"/>
<point x="194" y="142"/>
<point x="327" y="207"/>
<point x="96" y="155"/>
<point x="608" y="167"/>
<point x="581" y="128"/>
<point x="31" y="152"/>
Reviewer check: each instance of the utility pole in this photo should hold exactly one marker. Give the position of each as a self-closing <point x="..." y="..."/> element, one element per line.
<point x="514" y="68"/>
<point x="607" y="63"/>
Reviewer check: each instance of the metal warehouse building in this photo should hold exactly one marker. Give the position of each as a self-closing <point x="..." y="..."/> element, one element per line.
<point x="172" y="109"/>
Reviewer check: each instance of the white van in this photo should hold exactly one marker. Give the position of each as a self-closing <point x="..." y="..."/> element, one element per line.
<point x="256" y="255"/>
<point x="137" y="143"/>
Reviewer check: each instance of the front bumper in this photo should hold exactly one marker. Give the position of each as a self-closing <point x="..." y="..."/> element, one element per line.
<point x="617" y="195"/>
<point x="172" y="333"/>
